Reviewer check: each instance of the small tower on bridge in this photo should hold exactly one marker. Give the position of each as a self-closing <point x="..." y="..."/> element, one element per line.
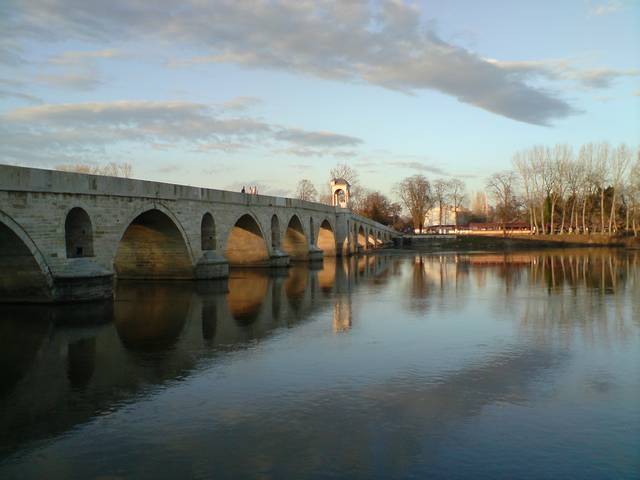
<point x="340" y="193"/>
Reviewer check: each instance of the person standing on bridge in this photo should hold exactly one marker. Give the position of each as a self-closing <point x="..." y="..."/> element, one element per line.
<point x="243" y="190"/>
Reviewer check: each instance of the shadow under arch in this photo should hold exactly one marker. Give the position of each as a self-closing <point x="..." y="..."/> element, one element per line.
<point x="246" y="295"/>
<point x="327" y="239"/>
<point x="246" y="245"/>
<point x="295" y="242"/>
<point x="24" y="274"/>
<point x="153" y="246"/>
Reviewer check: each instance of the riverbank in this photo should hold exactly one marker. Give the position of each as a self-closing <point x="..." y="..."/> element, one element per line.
<point x="516" y="242"/>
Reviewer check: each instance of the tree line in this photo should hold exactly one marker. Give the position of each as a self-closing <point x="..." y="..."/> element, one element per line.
<point x="557" y="190"/>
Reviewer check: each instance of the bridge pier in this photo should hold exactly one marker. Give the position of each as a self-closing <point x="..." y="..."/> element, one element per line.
<point x="279" y="259"/>
<point x="211" y="266"/>
<point x="315" y="254"/>
<point x="81" y="280"/>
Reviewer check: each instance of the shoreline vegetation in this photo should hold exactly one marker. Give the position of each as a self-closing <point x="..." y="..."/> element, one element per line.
<point x="499" y="242"/>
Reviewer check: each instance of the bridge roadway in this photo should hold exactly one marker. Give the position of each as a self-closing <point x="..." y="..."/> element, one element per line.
<point x="65" y="236"/>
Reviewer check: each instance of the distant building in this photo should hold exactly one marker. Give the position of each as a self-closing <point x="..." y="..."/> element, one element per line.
<point x="340" y="193"/>
<point x="450" y="216"/>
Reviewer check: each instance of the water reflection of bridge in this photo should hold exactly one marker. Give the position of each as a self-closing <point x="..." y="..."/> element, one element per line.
<point x="148" y="336"/>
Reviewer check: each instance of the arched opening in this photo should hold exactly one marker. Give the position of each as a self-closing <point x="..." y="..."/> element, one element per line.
<point x="378" y="239"/>
<point x="371" y="241"/>
<point x="327" y="239"/>
<point x="362" y="239"/>
<point x="246" y="245"/>
<point x="294" y="242"/>
<point x="78" y="234"/>
<point x="312" y="232"/>
<point x="339" y="197"/>
<point x="152" y="247"/>
<point x="21" y="276"/>
<point x="275" y="232"/>
<point x="208" y="232"/>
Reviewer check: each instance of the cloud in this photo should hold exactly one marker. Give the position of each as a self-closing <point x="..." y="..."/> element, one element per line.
<point x="419" y="166"/>
<point x="611" y="6"/>
<point x="89" y="128"/>
<point x="565" y="70"/>
<point x="382" y="43"/>
<point x="317" y="139"/>
<point x="7" y="93"/>
<point x="241" y="103"/>
<point x="77" y="81"/>
<point x="76" y="57"/>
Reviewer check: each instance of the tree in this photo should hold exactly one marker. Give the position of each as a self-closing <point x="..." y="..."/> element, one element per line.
<point x="619" y="164"/>
<point x="456" y="193"/>
<point x="112" y="169"/>
<point x="441" y="197"/>
<point x="502" y="187"/>
<point x="376" y="206"/>
<point x="306" y="191"/>
<point x="415" y="193"/>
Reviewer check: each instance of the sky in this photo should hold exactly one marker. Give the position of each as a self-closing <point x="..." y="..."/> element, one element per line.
<point x="226" y="93"/>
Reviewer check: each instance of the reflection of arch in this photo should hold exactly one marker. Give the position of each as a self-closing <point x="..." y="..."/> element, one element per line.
<point x="151" y="316"/>
<point x="294" y="242"/>
<point x="246" y="244"/>
<point x="327" y="239"/>
<point x="362" y="239"/>
<point x="246" y="295"/>
<point x="153" y="246"/>
<point x="24" y="275"/>
<point x="208" y="232"/>
<point x="78" y="233"/>
<point x="327" y="276"/>
<point x="295" y="286"/>
<point x="275" y="232"/>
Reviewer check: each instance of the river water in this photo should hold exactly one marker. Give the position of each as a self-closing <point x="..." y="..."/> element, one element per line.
<point x="524" y="365"/>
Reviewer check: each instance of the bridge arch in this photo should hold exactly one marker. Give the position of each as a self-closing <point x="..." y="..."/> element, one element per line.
<point x="295" y="242"/>
<point x="362" y="238"/>
<point x="208" y="232"/>
<point x="371" y="241"/>
<point x="327" y="239"/>
<point x="78" y="233"/>
<point x="154" y="246"/>
<point x="378" y="239"/>
<point x="24" y="274"/>
<point x="246" y="244"/>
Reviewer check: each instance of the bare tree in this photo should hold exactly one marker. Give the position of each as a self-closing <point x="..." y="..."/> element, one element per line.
<point x="619" y="164"/>
<point x="457" y="195"/>
<point x="441" y="197"/>
<point x="633" y="189"/>
<point x="306" y="191"/>
<point x="112" y="169"/>
<point x="502" y="187"/>
<point x="415" y="193"/>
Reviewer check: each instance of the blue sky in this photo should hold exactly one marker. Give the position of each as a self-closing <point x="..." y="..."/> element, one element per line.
<point x="229" y="93"/>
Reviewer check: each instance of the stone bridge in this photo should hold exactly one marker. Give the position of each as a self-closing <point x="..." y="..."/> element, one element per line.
<point x="65" y="236"/>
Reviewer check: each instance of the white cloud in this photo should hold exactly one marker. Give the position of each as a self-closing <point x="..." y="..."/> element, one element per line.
<point x="383" y="44"/>
<point x="87" y="128"/>
<point x="606" y="8"/>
